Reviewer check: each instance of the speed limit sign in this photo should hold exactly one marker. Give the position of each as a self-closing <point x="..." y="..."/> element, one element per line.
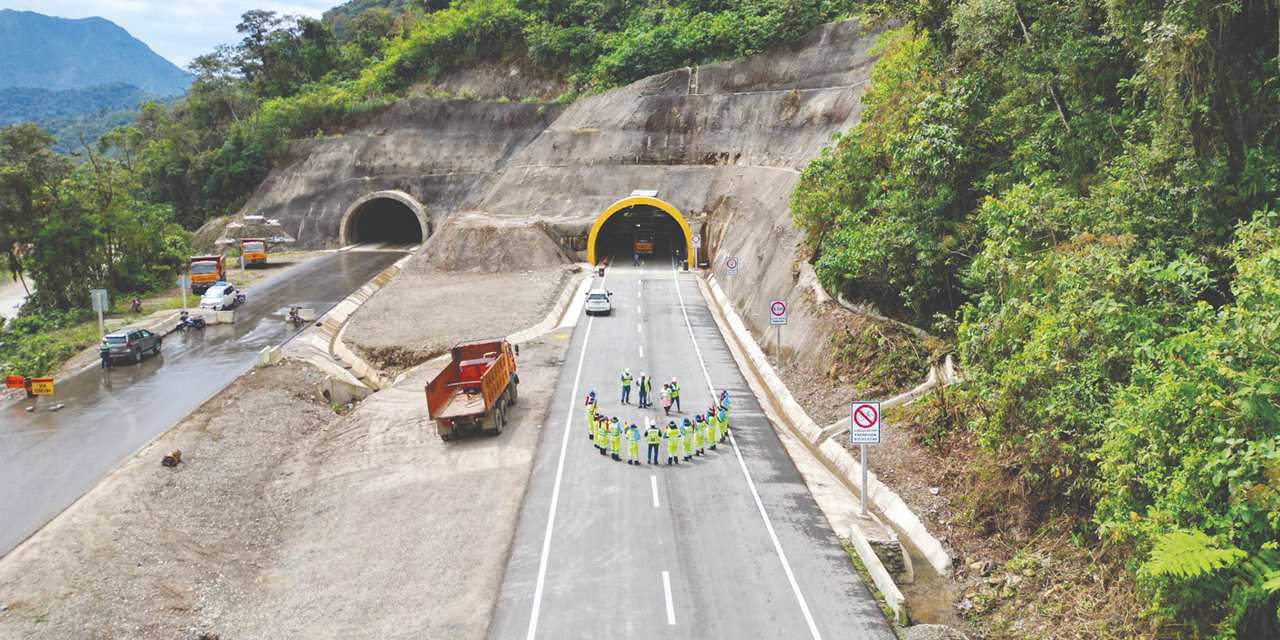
<point x="697" y="241"/>
<point x="778" y="312"/>
<point x="731" y="266"/>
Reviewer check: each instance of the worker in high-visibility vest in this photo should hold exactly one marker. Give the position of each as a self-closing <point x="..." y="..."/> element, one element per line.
<point x="713" y="428"/>
<point x="626" y="386"/>
<point x="673" y="438"/>
<point x="592" y="408"/>
<point x="602" y="434"/>
<point x="652" y="435"/>
<point x="675" y="394"/>
<point x="633" y="444"/>
<point x="699" y="434"/>
<point x="615" y="439"/>
<point x="723" y="419"/>
<point x="643" y="387"/>
<point x="686" y="440"/>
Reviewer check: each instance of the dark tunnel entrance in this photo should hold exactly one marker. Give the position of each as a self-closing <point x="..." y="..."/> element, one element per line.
<point x="643" y="230"/>
<point x="382" y="219"/>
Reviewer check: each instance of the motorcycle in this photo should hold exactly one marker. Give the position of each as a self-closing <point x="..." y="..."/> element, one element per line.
<point x="188" y="321"/>
<point x="240" y="298"/>
<point x="136" y="305"/>
<point x="296" y="318"/>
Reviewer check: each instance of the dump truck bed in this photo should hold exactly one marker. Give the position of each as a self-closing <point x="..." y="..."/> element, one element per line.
<point x="461" y="404"/>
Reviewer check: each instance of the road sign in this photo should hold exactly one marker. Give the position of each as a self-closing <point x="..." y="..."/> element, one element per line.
<point x="183" y="282"/>
<point x="42" y="386"/>
<point x="731" y="266"/>
<point x="778" y="312"/>
<point x="99" y="299"/>
<point x="864" y="423"/>
<point x="15" y="382"/>
<point x="697" y="241"/>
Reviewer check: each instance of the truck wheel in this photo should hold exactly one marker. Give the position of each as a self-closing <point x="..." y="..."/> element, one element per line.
<point x="495" y="417"/>
<point x="515" y="393"/>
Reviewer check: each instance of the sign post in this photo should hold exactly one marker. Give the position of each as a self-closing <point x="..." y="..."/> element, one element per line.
<point x="99" y="299"/>
<point x="864" y="429"/>
<point x="730" y="269"/>
<point x="183" y="283"/>
<point x="777" y="318"/>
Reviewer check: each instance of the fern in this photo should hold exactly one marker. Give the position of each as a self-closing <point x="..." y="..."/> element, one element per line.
<point x="1188" y="554"/>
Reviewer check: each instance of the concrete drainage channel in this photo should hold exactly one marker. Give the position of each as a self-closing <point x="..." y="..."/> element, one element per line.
<point x="878" y="543"/>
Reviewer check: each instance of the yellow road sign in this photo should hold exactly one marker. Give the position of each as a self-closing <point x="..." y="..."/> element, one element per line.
<point x="42" y="386"/>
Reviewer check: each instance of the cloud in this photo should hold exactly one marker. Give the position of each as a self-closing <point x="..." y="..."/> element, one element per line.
<point x="179" y="30"/>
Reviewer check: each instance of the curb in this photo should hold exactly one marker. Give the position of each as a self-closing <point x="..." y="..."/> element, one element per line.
<point x="835" y="456"/>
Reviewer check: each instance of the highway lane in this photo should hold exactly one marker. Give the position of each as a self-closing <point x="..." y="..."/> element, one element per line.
<point x="729" y="546"/>
<point x="48" y="459"/>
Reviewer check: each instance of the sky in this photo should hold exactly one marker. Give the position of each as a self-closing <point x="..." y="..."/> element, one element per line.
<point x="179" y="30"/>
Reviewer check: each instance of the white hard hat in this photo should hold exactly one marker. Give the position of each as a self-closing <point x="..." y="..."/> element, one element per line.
<point x="673" y="378"/>
<point x="628" y="370"/>
<point x="641" y="374"/>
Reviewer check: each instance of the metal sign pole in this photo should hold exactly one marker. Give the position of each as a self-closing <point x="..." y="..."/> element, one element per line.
<point x="779" y="345"/>
<point x="102" y="330"/>
<point x="864" y="479"/>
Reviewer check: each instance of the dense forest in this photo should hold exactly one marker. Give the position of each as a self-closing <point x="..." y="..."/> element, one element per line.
<point x="1083" y="197"/>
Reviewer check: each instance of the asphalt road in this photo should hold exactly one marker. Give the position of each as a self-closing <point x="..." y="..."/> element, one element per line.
<point x="731" y="545"/>
<point x="48" y="459"/>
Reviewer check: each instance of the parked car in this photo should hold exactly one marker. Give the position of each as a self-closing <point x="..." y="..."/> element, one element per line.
<point x="219" y="297"/>
<point x="599" y="301"/>
<point x="131" y="344"/>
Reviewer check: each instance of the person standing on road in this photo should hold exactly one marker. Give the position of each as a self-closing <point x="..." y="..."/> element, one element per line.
<point x="665" y="397"/>
<point x="626" y="386"/>
<point x="591" y="415"/>
<point x="105" y="352"/>
<point x="700" y="433"/>
<point x="602" y="434"/>
<point x="675" y="394"/>
<point x="686" y="440"/>
<point x="723" y="419"/>
<point x="635" y="259"/>
<point x="673" y="438"/>
<point x="652" y="435"/>
<point x="713" y="428"/>
<point x="643" y="386"/>
<point x="633" y="444"/>
<point x="615" y="439"/>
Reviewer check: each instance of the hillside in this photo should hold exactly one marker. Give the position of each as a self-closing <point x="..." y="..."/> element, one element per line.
<point x="58" y="53"/>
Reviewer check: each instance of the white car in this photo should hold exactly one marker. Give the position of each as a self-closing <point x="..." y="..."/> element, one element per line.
<point x="219" y="297"/>
<point x="599" y="301"/>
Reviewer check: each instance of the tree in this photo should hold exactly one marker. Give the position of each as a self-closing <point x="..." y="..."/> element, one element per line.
<point x="29" y="177"/>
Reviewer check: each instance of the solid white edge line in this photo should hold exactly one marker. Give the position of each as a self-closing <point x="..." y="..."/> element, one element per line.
<point x="653" y="482"/>
<point x="555" y="491"/>
<point x="768" y="524"/>
<point x="666" y="588"/>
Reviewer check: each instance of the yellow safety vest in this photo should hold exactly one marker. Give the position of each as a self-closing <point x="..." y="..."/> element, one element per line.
<point x="653" y="435"/>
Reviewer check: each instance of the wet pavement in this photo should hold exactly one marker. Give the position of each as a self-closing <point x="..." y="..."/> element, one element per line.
<point x="48" y="459"/>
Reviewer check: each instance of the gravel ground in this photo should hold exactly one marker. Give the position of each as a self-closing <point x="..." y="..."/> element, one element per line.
<point x="286" y="520"/>
<point x="405" y="323"/>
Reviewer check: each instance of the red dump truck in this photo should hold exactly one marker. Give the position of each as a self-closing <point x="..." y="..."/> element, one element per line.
<point x="476" y="390"/>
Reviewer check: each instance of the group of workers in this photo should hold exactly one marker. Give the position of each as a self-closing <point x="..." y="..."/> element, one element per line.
<point x="669" y="395"/>
<point x="684" y="441"/>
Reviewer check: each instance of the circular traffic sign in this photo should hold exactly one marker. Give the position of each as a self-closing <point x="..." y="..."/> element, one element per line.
<point x="778" y="308"/>
<point x="865" y="416"/>
<point x="731" y="263"/>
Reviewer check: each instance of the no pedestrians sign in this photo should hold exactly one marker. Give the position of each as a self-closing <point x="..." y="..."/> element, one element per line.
<point x="864" y="423"/>
<point x="731" y="266"/>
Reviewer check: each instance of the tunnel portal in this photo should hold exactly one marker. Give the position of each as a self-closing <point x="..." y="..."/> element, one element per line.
<point x="645" y="226"/>
<point x="389" y="217"/>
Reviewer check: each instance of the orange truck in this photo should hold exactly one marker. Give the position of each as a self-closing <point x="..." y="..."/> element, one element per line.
<point x="476" y="390"/>
<point x="204" y="271"/>
<point x="254" y="251"/>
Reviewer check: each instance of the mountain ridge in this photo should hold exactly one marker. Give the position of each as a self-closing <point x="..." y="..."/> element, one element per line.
<point x="47" y="52"/>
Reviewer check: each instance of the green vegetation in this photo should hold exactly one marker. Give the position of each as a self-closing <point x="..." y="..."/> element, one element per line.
<point x="1082" y="196"/>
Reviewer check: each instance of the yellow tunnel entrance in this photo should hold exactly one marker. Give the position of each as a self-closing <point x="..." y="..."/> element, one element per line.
<point x="639" y="224"/>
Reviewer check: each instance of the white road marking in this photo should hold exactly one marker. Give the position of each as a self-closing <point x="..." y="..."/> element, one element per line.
<point x="637" y="309"/>
<point x="642" y="351"/>
<point x="653" y="482"/>
<point x="768" y="524"/>
<point x="671" y="608"/>
<point x="555" y="491"/>
<point x="639" y="327"/>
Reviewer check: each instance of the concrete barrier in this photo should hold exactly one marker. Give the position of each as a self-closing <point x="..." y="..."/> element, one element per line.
<point x="270" y="356"/>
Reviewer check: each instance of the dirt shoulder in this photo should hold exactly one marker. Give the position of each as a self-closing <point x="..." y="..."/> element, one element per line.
<point x="288" y="520"/>
<point x="420" y="314"/>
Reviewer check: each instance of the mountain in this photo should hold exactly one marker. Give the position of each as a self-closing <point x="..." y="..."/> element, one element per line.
<point x="45" y="52"/>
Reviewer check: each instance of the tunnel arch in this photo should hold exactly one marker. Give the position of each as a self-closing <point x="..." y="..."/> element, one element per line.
<point x="632" y="202"/>
<point x="385" y="216"/>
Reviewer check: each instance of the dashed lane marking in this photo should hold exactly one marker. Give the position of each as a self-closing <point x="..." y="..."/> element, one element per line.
<point x="653" y="482"/>
<point x="666" y="588"/>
